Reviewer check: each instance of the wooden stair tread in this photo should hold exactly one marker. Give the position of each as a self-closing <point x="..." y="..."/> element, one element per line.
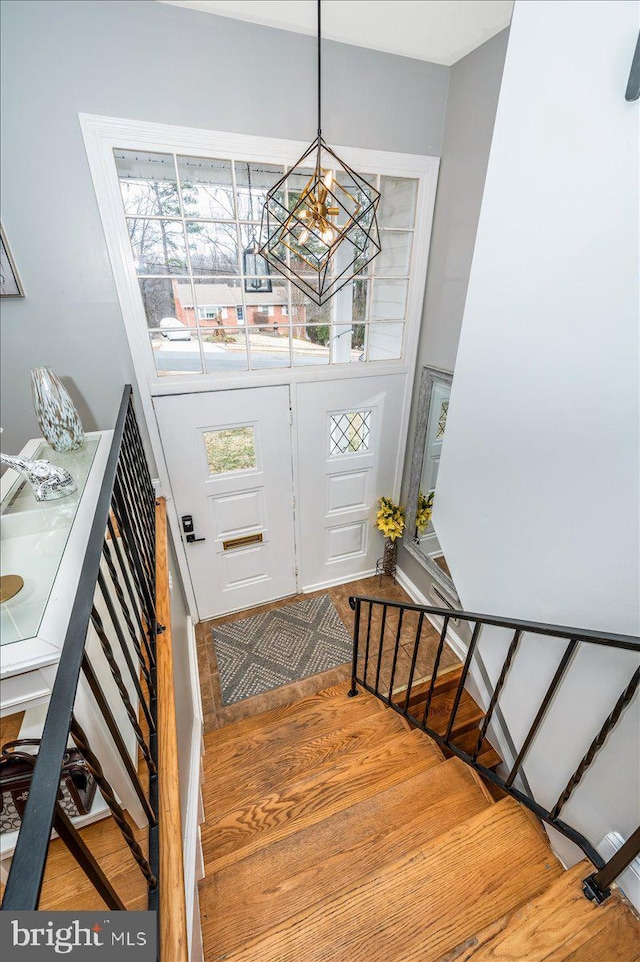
<point x="328" y="702"/>
<point x="333" y="855"/>
<point x="319" y="719"/>
<point x="557" y="926"/>
<point x="618" y="941"/>
<point x="426" y="902"/>
<point x="468" y="716"/>
<point x="238" y="832"/>
<point x="446" y="681"/>
<point x="249" y="776"/>
<point x="488" y="756"/>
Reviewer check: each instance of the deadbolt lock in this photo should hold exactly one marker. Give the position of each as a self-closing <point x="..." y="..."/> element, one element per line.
<point x="187" y="527"/>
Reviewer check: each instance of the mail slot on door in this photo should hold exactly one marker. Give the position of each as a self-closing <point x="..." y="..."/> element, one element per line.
<point x="242" y="542"/>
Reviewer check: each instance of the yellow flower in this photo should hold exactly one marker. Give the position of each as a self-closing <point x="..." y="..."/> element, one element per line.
<point x="390" y="518"/>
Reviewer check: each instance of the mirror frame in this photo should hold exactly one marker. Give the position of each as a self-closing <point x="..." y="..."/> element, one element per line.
<point x="428" y="378"/>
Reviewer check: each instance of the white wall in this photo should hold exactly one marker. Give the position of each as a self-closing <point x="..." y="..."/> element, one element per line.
<point x="537" y="507"/>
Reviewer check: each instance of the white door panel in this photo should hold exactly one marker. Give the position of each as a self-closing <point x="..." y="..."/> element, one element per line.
<point x="348" y="491"/>
<point x="228" y="455"/>
<point x="348" y="448"/>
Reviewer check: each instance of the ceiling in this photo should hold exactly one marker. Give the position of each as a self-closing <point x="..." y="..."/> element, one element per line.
<point x="441" y="31"/>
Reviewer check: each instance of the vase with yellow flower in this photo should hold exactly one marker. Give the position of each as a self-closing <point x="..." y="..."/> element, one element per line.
<point x="390" y="520"/>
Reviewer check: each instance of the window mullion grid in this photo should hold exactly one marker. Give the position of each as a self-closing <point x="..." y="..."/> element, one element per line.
<point x="369" y="305"/>
<point x="174" y="217"/>
<point x="183" y="216"/>
<point x="373" y="280"/>
<point x="395" y="277"/>
<point x="196" y="316"/>
<point x="243" y="293"/>
<point x="290" y="314"/>
<point x="288" y="282"/>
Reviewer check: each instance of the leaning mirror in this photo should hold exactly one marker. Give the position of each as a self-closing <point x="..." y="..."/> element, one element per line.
<point x="421" y="538"/>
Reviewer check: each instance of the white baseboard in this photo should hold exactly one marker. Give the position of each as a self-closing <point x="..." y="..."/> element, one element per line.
<point x="418" y="597"/>
<point x="412" y="589"/>
<point x="192" y="850"/>
<point x="194" y="674"/>
<point x="476" y="683"/>
<point x="629" y="880"/>
<point x="332" y="582"/>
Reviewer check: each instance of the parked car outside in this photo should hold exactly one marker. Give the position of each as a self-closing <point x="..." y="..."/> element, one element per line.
<point x="174" y="330"/>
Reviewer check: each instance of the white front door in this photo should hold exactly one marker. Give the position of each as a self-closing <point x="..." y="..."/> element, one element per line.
<point x="349" y="443"/>
<point x="228" y="454"/>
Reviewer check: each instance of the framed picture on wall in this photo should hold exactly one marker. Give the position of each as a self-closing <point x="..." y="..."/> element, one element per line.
<point x="10" y="285"/>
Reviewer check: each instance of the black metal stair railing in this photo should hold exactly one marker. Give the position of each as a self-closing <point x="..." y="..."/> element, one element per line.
<point x="115" y="599"/>
<point x="374" y="643"/>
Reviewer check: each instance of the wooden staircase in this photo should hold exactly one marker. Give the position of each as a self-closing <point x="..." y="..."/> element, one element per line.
<point x="468" y="717"/>
<point x="334" y="833"/>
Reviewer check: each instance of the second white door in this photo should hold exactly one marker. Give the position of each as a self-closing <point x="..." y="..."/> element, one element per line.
<point x="349" y="448"/>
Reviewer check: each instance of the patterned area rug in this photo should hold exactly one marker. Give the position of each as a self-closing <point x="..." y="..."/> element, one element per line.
<point x="273" y="649"/>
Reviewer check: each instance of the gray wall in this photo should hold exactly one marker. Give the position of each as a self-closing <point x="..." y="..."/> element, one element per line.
<point x="474" y="86"/>
<point x="152" y="62"/>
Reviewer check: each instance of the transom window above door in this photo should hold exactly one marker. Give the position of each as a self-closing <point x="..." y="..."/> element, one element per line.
<point x="211" y="304"/>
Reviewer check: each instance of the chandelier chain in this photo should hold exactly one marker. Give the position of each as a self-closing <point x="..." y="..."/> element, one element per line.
<point x="304" y="224"/>
<point x="319" y="69"/>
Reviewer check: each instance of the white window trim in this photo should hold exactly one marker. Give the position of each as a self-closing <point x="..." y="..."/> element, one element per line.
<point x="104" y="134"/>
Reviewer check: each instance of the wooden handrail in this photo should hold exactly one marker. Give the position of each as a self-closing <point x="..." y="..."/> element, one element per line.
<point x="174" y="946"/>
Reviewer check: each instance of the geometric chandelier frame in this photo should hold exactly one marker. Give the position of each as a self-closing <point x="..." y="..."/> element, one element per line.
<point x="319" y="222"/>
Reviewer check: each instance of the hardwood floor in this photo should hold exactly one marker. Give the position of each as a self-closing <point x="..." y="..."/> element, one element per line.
<point x="333" y="833"/>
<point x="65" y="885"/>
<point x="67" y="888"/>
<point x="216" y="714"/>
<point x="10" y="727"/>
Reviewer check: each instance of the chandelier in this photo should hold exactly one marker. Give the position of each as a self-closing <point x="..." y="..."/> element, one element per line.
<point x="319" y="222"/>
